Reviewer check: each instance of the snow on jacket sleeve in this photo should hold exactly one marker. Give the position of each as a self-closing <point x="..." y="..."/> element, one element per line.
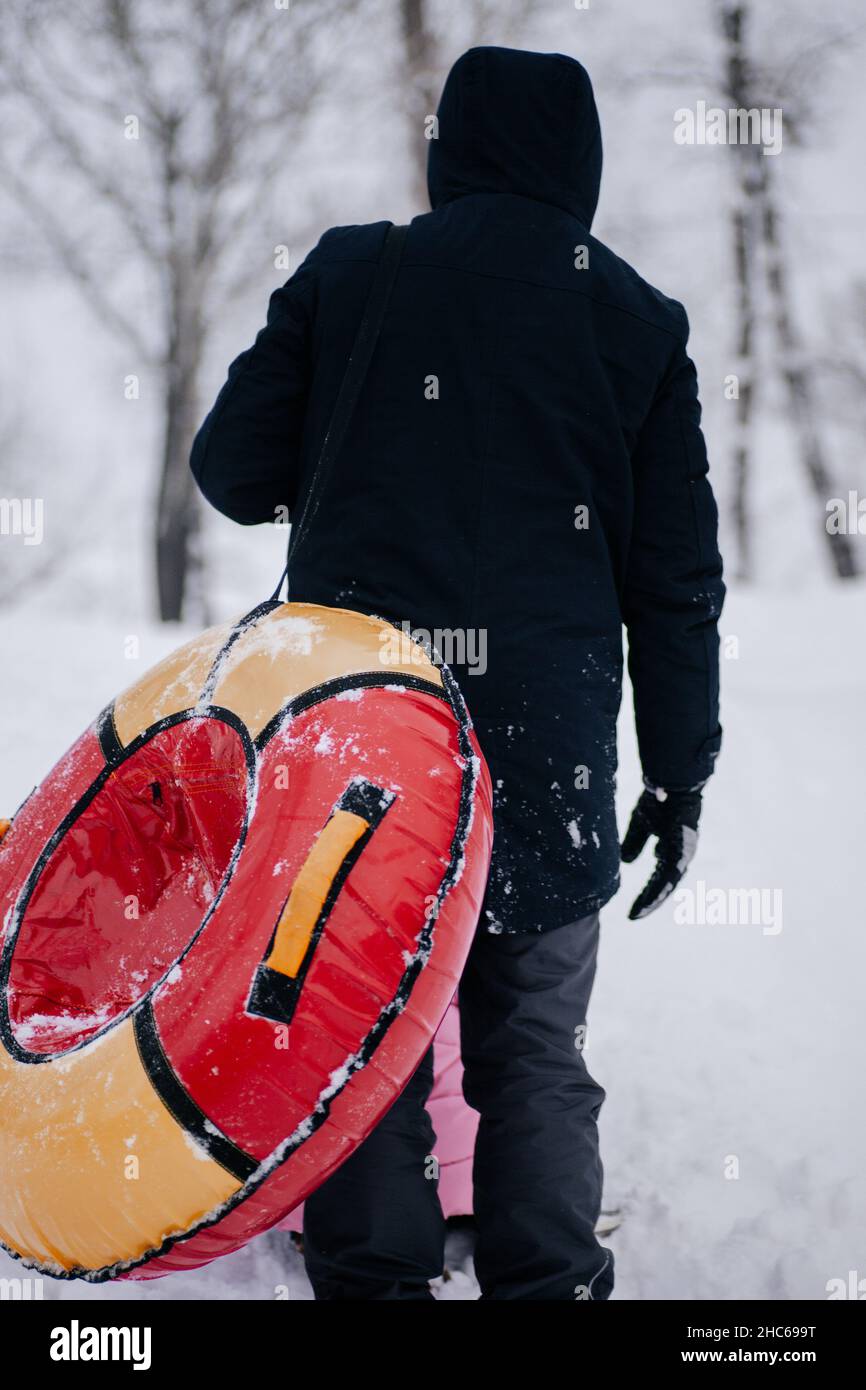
<point x="674" y="592"/>
<point x="245" y="457"/>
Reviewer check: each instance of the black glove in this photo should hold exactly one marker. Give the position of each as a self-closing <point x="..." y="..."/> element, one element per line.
<point x="673" y="818"/>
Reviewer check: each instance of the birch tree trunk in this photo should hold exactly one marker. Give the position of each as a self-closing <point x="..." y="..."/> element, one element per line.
<point x="757" y="226"/>
<point x="746" y="240"/>
<point x="799" y="383"/>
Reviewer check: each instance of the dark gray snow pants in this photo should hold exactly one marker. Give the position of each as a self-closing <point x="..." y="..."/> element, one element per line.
<point x="375" y="1230"/>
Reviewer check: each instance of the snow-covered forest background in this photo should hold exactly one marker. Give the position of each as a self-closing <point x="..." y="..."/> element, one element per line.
<point x="163" y="168"/>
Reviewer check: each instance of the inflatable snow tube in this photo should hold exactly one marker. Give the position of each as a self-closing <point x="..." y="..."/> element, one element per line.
<point x="233" y="917"/>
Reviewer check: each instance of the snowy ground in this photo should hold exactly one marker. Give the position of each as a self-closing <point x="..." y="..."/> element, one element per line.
<point x="722" y="1047"/>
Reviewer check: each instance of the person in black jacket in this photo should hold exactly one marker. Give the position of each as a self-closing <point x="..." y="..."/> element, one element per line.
<point x="524" y="474"/>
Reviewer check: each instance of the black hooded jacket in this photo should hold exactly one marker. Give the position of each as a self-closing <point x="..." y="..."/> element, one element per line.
<point x="525" y="468"/>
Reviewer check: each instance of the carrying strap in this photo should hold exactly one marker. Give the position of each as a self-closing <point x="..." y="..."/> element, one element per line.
<point x="351" y="386"/>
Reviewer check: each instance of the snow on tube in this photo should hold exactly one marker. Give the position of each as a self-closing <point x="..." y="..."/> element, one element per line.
<point x="233" y="917"/>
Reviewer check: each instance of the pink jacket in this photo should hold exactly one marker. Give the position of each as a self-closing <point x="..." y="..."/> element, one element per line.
<point x="454" y="1122"/>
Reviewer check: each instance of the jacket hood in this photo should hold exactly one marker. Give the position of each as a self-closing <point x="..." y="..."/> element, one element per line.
<point x="516" y="122"/>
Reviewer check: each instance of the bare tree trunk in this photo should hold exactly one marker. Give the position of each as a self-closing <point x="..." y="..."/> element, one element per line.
<point x="757" y="219"/>
<point x="177" y="512"/>
<point x="745" y="224"/>
<point x="795" y="374"/>
<point x="743" y="242"/>
<point x="420" y="53"/>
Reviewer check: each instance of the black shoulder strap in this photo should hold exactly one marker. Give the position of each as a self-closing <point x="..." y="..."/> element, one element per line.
<point x="352" y="383"/>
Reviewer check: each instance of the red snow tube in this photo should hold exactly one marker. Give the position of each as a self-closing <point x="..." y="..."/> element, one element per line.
<point x="233" y="917"/>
